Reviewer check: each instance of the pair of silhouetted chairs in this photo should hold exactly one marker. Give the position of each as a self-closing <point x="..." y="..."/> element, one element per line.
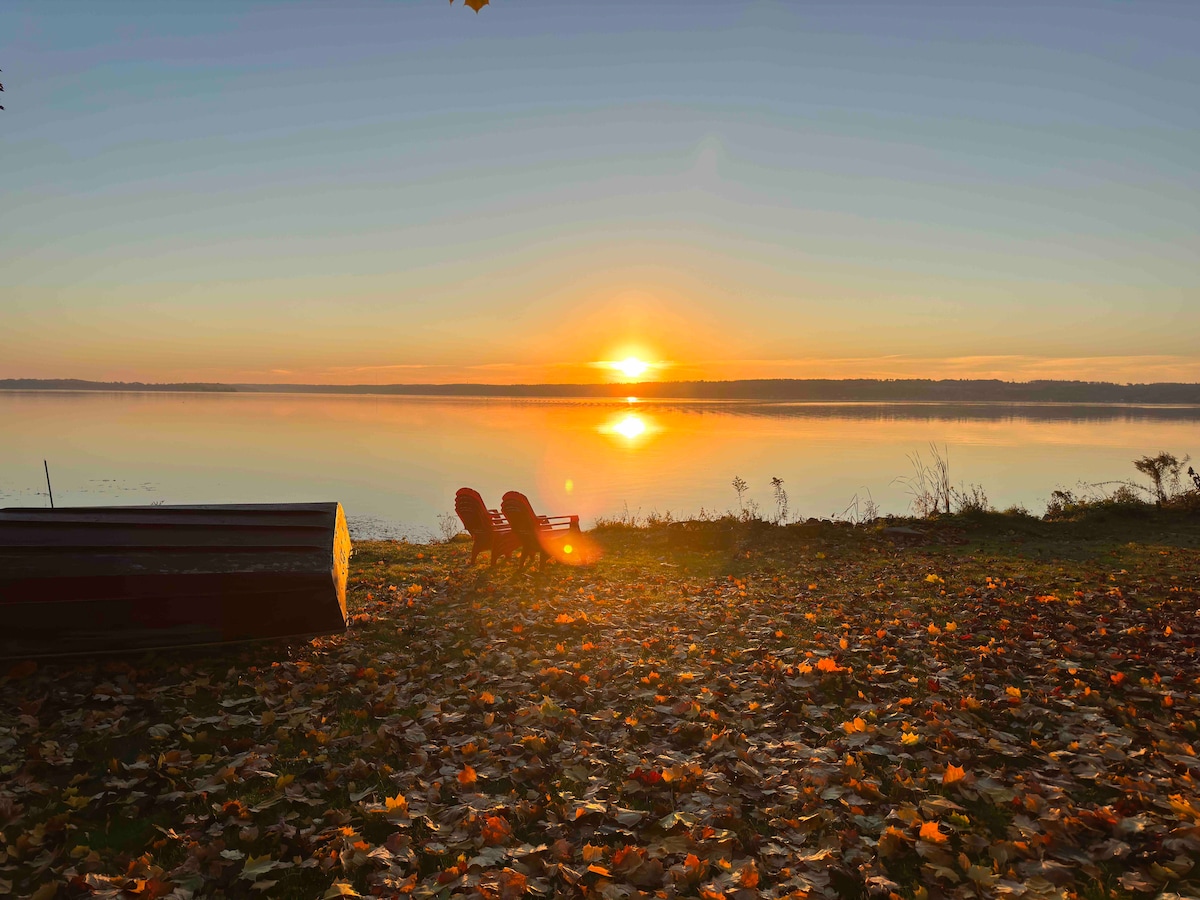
<point x="514" y="526"/>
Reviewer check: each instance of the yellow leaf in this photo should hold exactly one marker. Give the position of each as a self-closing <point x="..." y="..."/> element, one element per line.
<point x="910" y="739"/>
<point x="1184" y="807"/>
<point x="340" y="889"/>
<point x="399" y="803"/>
<point x="284" y="780"/>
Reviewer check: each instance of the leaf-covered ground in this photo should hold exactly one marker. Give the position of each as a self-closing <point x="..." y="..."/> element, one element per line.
<point x="983" y="710"/>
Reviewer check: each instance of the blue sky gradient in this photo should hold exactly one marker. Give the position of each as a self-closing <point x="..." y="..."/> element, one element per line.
<point x="413" y="192"/>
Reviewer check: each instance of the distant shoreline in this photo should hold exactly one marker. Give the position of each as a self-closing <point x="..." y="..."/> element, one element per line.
<point x="818" y="390"/>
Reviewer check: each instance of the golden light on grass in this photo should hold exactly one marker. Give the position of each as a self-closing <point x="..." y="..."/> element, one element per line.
<point x="580" y="550"/>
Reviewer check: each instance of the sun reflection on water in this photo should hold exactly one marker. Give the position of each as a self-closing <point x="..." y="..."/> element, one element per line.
<point x="630" y="426"/>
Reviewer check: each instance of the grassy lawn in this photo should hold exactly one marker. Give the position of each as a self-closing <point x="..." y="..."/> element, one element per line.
<point x="993" y="706"/>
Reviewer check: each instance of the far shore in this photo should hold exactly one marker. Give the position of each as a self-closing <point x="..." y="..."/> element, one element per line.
<point x="910" y="390"/>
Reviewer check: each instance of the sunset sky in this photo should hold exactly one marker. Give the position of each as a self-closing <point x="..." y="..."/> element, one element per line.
<point x="410" y="192"/>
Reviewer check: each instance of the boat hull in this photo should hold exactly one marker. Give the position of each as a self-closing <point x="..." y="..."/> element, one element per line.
<point x="109" y="579"/>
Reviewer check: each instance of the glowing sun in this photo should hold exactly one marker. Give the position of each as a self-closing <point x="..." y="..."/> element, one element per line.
<point x="631" y="367"/>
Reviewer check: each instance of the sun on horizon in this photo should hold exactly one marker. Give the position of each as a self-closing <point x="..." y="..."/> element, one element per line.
<point x="630" y="367"/>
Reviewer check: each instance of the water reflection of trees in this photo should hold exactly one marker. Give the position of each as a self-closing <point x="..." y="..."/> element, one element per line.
<point x="935" y="412"/>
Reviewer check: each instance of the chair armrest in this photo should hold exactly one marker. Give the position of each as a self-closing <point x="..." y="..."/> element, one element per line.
<point x="559" y="523"/>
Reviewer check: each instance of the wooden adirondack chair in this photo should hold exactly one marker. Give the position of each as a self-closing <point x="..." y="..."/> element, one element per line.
<point x="540" y="535"/>
<point x="486" y="526"/>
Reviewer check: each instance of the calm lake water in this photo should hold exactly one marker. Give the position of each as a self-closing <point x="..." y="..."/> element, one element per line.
<point x="395" y="462"/>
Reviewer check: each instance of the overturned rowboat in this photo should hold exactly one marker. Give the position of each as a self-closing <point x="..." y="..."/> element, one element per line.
<point x="124" y="578"/>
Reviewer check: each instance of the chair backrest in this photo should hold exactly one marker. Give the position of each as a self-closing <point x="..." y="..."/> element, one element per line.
<point x="473" y="512"/>
<point x="519" y="512"/>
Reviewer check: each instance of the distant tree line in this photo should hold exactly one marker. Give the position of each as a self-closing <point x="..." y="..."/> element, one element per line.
<point x="910" y="390"/>
<point x="75" y="384"/>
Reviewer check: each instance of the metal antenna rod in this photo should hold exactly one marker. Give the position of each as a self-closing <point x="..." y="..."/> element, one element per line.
<point x="49" y="490"/>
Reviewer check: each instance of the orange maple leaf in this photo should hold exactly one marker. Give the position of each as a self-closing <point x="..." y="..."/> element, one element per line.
<point x="399" y="803"/>
<point x="930" y="832"/>
<point x="953" y="774"/>
<point x="591" y="853"/>
<point x="624" y="854"/>
<point x="747" y="875"/>
<point x="512" y="884"/>
<point x="496" y="830"/>
<point x="466" y="776"/>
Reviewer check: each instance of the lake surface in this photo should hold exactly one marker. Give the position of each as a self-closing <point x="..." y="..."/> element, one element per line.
<point x="395" y="462"/>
